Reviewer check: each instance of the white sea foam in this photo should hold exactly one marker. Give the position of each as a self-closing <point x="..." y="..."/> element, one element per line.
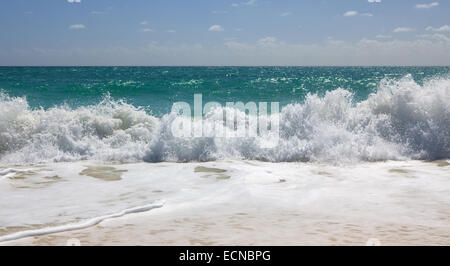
<point x="79" y="225"/>
<point x="108" y="131"/>
<point x="349" y="202"/>
<point x="8" y="171"/>
<point x="11" y="172"/>
<point x="401" y="120"/>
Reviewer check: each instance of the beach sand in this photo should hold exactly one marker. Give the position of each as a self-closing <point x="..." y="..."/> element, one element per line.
<point x="260" y="228"/>
<point x="256" y="203"/>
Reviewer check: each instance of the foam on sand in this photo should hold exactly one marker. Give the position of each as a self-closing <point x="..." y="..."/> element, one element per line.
<point x="397" y="202"/>
<point x="11" y="172"/>
<point x="79" y="225"/>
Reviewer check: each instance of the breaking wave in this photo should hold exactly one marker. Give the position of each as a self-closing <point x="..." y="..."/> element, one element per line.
<point x="402" y="120"/>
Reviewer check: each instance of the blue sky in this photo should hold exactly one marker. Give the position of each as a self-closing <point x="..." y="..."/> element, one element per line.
<point x="224" y="32"/>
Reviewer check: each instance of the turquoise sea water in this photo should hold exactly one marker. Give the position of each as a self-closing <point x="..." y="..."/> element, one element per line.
<point x="157" y="88"/>
<point x="352" y="135"/>
<point x="327" y="114"/>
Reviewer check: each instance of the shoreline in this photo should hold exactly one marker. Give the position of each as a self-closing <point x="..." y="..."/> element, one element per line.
<point x="258" y="228"/>
<point x="240" y="203"/>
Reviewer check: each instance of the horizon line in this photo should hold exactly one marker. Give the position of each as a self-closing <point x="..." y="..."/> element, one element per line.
<point x="225" y="65"/>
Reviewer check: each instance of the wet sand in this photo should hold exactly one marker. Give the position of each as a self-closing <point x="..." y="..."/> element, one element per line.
<point x="386" y="203"/>
<point x="260" y="227"/>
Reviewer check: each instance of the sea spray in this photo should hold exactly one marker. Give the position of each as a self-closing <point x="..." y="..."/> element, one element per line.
<point x="401" y="120"/>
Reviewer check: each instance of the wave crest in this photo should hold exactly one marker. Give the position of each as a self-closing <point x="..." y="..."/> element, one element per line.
<point x="401" y="120"/>
<point x="110" y="130"/>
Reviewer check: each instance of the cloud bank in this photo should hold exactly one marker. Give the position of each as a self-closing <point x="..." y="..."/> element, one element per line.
<point x="426" y="50"/>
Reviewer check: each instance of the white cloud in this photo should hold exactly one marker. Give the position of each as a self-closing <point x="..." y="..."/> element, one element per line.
<point x="219" y="12"/>
<point x="145" y="22"/>
<point x="374" y="1"/>
<point x="216" y="28"/>
<point x="366" y="52"/>
<point x="270" y="51"/>
<point x="74" y="1"/>
<point x="268" y="42"/>
<point x="146" y="30"/>
<point x="353" y="13"/>
<point x="436" y="36"/>
<point x="285" y="14"/>
<point x="331" y="40"/>
<point x="426" y="6"/>
<point x="440" y="29"/>
<point x="100" y="12"/>
<point x="77" y="27"/>
<point x="402" y="29"/>
<point x="350" y="13"/>
<point x="170" y="31"/>
<point x="234" y="45"/>
<point x="441" y="37"/>
<point x="380" y="36"/>
<point x="248" y="3"/>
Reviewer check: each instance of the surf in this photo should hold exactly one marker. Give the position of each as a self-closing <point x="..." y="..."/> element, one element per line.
<point x="401" y="120"/>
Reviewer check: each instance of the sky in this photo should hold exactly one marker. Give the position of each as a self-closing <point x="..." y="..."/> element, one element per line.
<point x="225" y="32"/>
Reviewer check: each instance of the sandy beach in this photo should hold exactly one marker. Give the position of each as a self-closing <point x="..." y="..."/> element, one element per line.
<point x="246" y="203"/>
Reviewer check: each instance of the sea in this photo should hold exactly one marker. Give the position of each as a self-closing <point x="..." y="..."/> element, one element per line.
<point x="81" y="145"/>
